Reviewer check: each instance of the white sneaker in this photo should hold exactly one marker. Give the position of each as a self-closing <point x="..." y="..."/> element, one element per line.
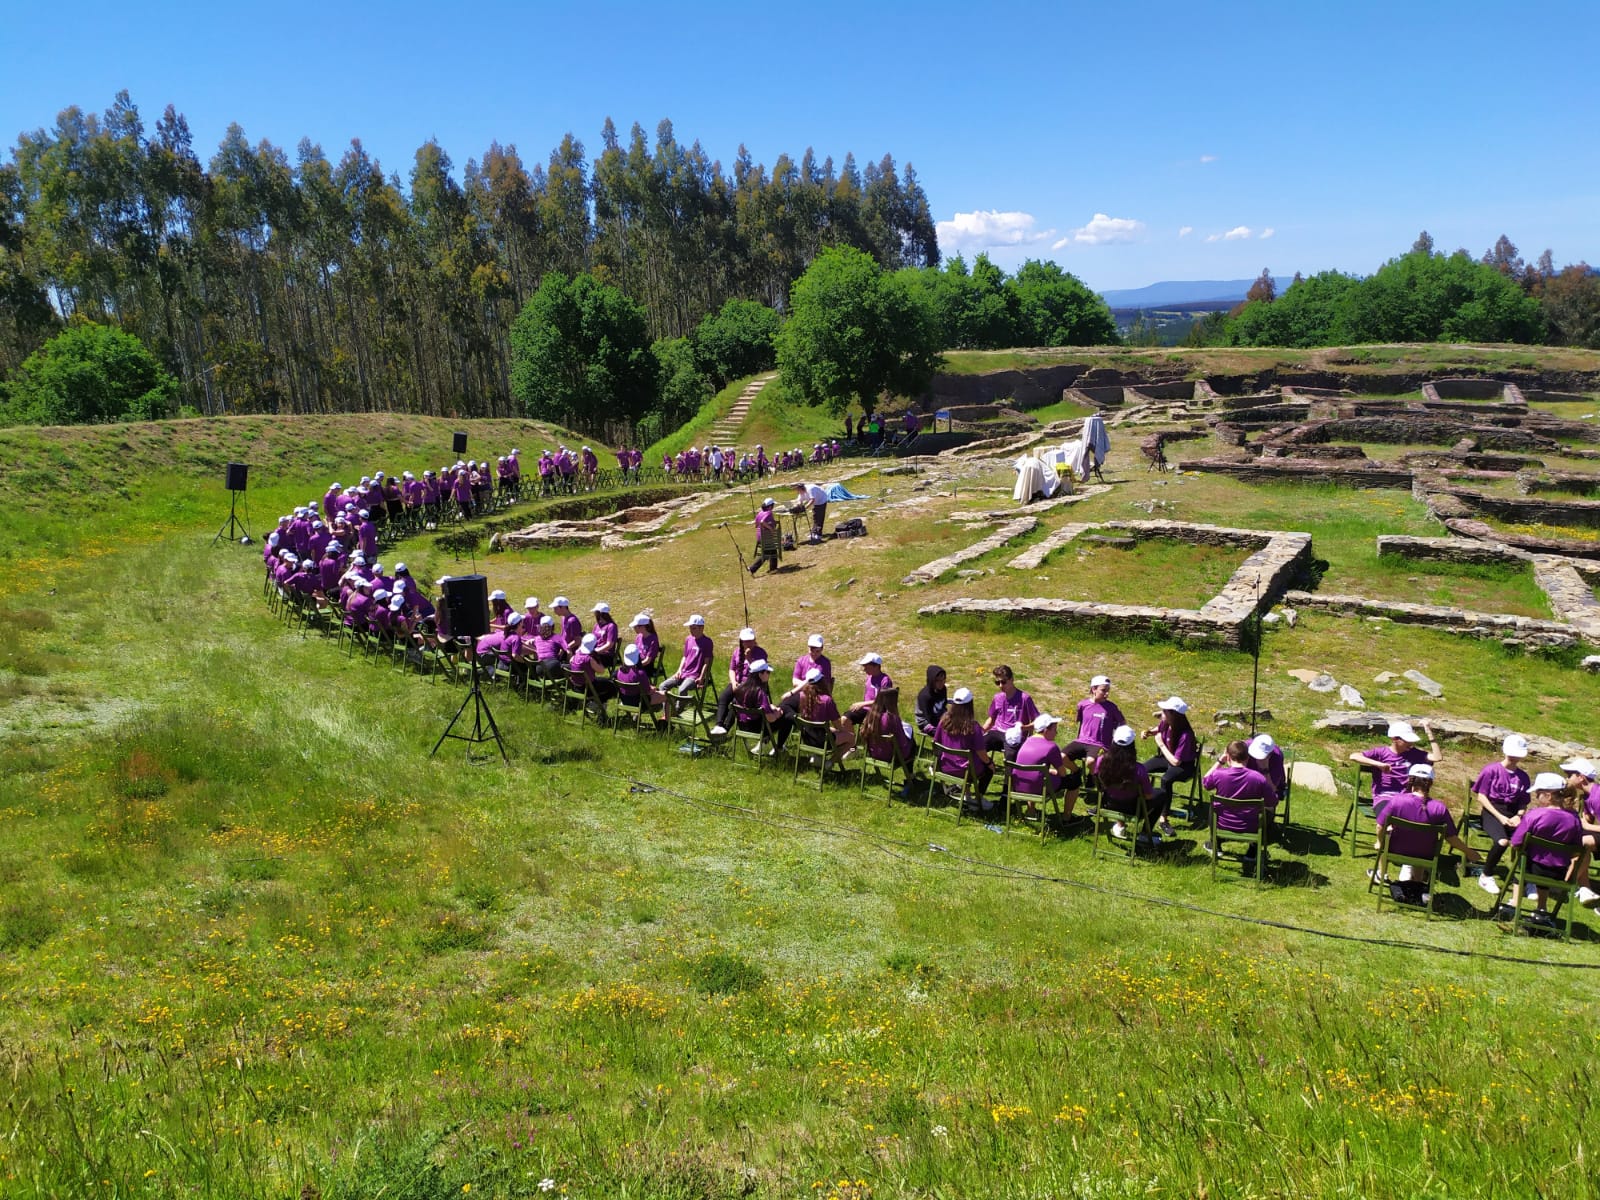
<point x="1119" y="830"/>
<point x="1489" y="884"/>
<point x="718" y="731"/>
<point x="1588" y="897"/>
<point x="1531" y="895"/>
<point x="1405" y="874"/>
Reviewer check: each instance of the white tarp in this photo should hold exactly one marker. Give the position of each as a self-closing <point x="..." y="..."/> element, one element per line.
<point x="1036" y="477"/>
<point x="1096" y="437"/>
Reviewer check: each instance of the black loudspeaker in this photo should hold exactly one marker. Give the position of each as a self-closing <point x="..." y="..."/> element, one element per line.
<point x="236" y="476"/>
<point x="466" y="602"/>
<point x="458" y="443"/>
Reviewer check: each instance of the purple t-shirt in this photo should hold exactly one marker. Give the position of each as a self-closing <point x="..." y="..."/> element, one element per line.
<point x="1506" y="790"/>
<point x="648" y="645"/>
<point x="955" y="754"/>
<point x="1035" y="751"/>
<point x="873" y="684"/>
<point x="819" y="660"/>
<point x="571" y="629"/>
<point x="1396" y="765"/>
<point x="1553" y="825"/>
<point x="1096" y="721"/>
<point x="889" y="740"/>
<point x="742" y="658"/>
<point x="605" y="636"/>
<point x="1230" y="782"/>
<point x="696" y="656"/>
<point x="1591" y="804"/>
<point x="1409" y="806"/>
<point x="1183" y="745"/>
<point x="1272" y="769"/>
<point x="1008" y="713"/>
<point x="547" y="647"/>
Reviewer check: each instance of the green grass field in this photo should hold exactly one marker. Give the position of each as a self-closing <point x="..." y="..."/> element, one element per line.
<point x="255" y="942"/>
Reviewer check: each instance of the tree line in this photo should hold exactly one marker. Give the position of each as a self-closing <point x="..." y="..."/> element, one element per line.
<point x="265" y="281"/>
<point x="1423" y="295"/>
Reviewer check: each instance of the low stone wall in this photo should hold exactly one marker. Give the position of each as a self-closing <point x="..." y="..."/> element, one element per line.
<point x="1468" y="526"/>
<point x="929" y="572"/>
<point x="1571" y="596"/>
<point x="1451" y="550"/>
<point x="1319" y="451"/>
<point x="1031" y="388"/>
<point x="1268" y="414"/>
<point x="1171" y="389"/>
<point x="1529" y="631"/>
<point x="1036" y="507"/>
<point x="1102" y="396"/>
<point x="1278" y="558"/>
<point x="1449" y="460"/>
<point x="1462" y="388"/>
<point x="1581" y="514"/>
<point x="1362" y="474"/>
<point x="1574" y="483"/>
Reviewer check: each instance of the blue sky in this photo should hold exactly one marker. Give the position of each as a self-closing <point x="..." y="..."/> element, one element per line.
<point x="1292" y="135"/>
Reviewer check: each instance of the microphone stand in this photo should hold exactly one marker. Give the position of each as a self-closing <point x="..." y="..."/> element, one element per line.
<point x="743" y="571"/>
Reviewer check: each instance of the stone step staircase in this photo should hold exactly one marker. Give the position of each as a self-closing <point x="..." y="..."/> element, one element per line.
<point x="726" y="431"/>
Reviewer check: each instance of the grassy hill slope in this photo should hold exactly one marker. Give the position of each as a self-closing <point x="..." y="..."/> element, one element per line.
<point x="256" y="942"/>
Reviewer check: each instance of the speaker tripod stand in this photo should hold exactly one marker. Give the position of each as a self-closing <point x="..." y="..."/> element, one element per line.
<point x="233" y="528"/>
<point x="480" y="717"/>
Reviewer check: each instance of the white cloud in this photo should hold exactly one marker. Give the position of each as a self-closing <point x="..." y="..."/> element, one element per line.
<point x="1061" y="244"/>
<point x="1104" y="230"/>
<point x="1186" y="231"/>
<point x="1237" y="234"/>
<point x="982" y="230"/>
<point x="1208" y="158"/>
<point x="1267" y="232"/>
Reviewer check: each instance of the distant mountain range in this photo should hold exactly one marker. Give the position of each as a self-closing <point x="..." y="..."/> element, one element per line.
<point x="1177" y="292"/>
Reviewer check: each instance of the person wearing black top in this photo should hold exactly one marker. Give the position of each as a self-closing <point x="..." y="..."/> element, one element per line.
<point x="931" y="701"/>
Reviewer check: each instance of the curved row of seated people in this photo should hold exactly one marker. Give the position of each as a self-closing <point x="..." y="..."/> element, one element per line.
<point x="1558" y="809"/>
<point x="633" y="665"/>
<point x="725" y="462"/>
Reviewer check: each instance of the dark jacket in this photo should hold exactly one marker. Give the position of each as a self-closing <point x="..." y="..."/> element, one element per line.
<point x="931" y="705"/>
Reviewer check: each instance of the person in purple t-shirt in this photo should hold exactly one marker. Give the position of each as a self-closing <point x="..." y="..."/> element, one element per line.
<point x="813" y="657"/>
<point x="694" y="669"/>
<point x="1234" y="779"/>
<point x="1390" y="763"/>
<point x="959" y="743"/>
<point x="1500" y="794"/>
<point x="1097" y="717"/>
<point x="1581" y="783"/>
<point x="1551" y="817"/>
<point x="1416" y="805"/>
<point x="1124" y="783"/>
<point x="874" y="681"/>
<point x="1010" y="715"/>
<point x="1040" y="750"/>
<point x="1176" y="761"/>
<point x="606" y="636"/>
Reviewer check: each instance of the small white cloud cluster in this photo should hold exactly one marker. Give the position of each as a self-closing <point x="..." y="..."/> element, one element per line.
<point x="1239" y="233"/>
<point x="983" y="229"/>
<point x="1103" y="230"/>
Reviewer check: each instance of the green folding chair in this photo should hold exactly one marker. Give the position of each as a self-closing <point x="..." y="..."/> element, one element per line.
<point x="1041" y="801"/>
<point x="1360" y="806"/>
<point x="1560" y="888"/>
<point x="1378" y="879"/>
<point x="1258" y="839"/>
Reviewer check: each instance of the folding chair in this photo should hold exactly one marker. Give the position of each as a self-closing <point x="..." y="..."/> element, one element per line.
<point x="1560" y="888"/>
<point x="821" y="748"/>
<point x="1288" y="789"/>
<point x="1139" y="819"/>
<point x="1258" y="839"/>
<point x="1041" y="800"/>
<point x="1360" y="806"/>
<point x="687" y="715"/>
<point x="579" y="695"/>
<point x="631" y="703"/>
<point x="964" y="784"/>
<point x="757" y="740"/>
<point x="868" y="762"/>
<point x="1378" y="879"/>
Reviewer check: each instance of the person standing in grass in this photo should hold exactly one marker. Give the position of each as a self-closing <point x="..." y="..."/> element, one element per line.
<point x="1552" y="816"/>
<point x="1389" y="764"/>
<point x="811" y="494"/>
<point x="1501" y="795"/>
<point x="1176" y="759"/>
<point x="1415" y="804"/>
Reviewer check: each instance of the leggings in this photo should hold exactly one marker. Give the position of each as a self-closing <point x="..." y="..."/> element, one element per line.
<point x="1165" y="776"/>
<point x="1497" y="831"/>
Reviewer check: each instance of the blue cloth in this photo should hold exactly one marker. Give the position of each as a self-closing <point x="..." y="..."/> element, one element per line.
<point x="837" y="491"/>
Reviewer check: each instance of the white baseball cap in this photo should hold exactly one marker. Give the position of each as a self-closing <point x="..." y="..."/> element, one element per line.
<point x="547" y="620"/>
<point x="531" y="602"/>
<point x="602" y="607"/>
<point x="1172" y="704"/>
<point x="760" y="667"/>
<point x="513" y="620"/>
<point x="1515" y="746"/>
<point x="1420" y="771"/>
<point x="814" y="675"/>
<point x="497" y="594"/>
<point x="1044" y="720"/>
<point x="870" y="660"/>
<point x="1123" y="735"/>
<point x="747" y="634"/>
<point x="1261" y="745"/>
<point x="1403" y="731"/>
<point x="588" y="642"/>
<point x="560" y="602"/>
<point x="1549" y="781"/>
<point x="962" y="696"/>
<point x="1100" y="681"/>
<point x="697" y="619"/>
<point x="814" y="642"/>
<point x="640" y="620"/>
<point x="1581" y="766"/>
<point x="630" y="655"/>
